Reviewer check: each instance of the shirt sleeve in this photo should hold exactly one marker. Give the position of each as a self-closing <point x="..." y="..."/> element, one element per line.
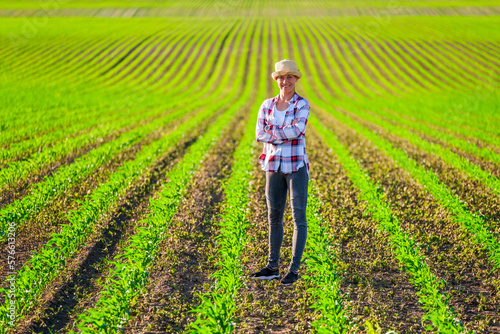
<point x="260" y="134"/>
<point x="289" y="132"/>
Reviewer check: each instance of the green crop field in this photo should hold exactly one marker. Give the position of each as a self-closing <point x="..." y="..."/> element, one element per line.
<point x="132" y="201"/>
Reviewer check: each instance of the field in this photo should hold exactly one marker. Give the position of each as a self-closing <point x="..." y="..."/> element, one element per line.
<point x="131" y="199"/>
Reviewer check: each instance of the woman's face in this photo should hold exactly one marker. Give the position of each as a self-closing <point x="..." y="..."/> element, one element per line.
<point x="286" y="83"/>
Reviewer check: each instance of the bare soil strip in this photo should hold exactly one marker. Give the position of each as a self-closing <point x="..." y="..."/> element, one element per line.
<point x="77" y="288"/>
<point x="490" y="166"/>
<point x="472" y="192"/>
<point x="378" y="291"/>
<point x="188" y="253"/>
<point x="450" y="251"/>
<point x="34" y="233"/>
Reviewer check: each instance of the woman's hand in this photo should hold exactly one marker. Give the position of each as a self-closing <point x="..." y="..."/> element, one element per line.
<point x="295" y="121"/>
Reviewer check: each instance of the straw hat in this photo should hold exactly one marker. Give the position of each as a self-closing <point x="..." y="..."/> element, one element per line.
<point x="286" y="67"/>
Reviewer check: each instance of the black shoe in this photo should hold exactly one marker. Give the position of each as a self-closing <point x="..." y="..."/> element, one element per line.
<point x="290" y="278"/>
<point x="266" y="274"/>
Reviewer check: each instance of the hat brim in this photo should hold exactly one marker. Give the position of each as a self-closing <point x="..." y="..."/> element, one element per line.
<point x="278" y="73"/>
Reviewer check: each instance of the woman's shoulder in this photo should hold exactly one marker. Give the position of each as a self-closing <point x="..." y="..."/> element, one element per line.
<point x="267" y="102"/>
<point x="301" y="101"/>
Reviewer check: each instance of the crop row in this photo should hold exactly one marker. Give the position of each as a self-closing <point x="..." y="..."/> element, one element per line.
<point x="130" y="272"/>
<point x="217" y="308"/>
<point x="360" y="79"/>
<point x="446" y="154"/>
<point x="118" y="181"/>
<point x="56" y="185"/>
<point x="310" y="8"/>
<point x="44" y="265"/>
<point x="67" y="175"/>
<point x="18" y="171"/>
<point x="106" y="101"/>
<point x="64" y="148"/>
<point x="406" y="250"/>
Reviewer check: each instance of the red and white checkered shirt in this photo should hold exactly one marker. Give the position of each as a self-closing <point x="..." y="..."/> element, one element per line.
<point x="284" y="145"/>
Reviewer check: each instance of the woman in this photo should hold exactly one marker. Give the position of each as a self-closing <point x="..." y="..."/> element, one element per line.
<point x="281" y="126"/>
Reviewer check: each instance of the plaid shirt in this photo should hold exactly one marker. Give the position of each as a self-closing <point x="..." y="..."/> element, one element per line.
<point x="284" y="146"/>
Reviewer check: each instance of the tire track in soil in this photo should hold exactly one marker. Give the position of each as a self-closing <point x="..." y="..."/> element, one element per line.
<point x="76" y="289"/>
<point x="188" y="254"/>
<point x="451" y="255"/>
<point x="377" y="290"/>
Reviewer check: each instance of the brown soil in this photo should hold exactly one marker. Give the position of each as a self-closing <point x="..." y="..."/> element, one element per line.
<point x="321" y="73"/>
<point x="478" y="57"/>
<point x="448" y="252"/>
<point x="187" y="55"/>
<point x="490" y="166"/>
<point x="21" y="188"/>
<point x="377" y="290"/>
<point x="188" y="255"/>
<point x="402" y="54"/>
<point x="364" y="46"/>
<point x="355" y="48"/>
<point x="469" y="66"/>
<point x="472" y="192"/>
<point x="76" y="289"/>
<point x="401" y="82"/>
<point x="398" y="59"/>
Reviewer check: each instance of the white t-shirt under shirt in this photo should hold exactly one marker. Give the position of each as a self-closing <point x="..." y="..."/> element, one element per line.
<point x="278" y="117"/>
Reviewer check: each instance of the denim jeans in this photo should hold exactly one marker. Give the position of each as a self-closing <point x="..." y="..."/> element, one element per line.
<point x="277" y="185"/>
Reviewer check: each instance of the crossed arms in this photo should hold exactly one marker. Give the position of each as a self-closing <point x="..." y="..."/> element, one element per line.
<point x="281" y="134"/>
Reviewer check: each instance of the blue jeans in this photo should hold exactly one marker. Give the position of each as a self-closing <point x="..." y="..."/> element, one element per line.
<point x="277" y="185"/>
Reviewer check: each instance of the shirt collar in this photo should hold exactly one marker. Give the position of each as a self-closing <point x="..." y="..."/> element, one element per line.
<point x="293" y="100"/>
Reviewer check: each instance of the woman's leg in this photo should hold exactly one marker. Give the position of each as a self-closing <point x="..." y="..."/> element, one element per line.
<point x="297" y="184"/>
<point x="276" y="190"/>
